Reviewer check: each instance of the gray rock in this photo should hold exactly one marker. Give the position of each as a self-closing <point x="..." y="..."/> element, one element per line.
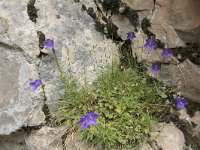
<point x="168" y="137"/>
<point x="180" y="16"/>
<point x="75" y="142"/>
<point x="46" y="138"/>
<point x="16" y="28"/>
<point x="19" y="105"/>
<point x="185" y="77"/>
<point x="15" y="141"/>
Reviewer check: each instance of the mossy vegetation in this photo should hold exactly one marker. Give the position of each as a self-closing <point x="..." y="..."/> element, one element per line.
<point x="128" y="105"/>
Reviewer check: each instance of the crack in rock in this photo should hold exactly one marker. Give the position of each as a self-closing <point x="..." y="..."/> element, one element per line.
<point x="32" y="11"/>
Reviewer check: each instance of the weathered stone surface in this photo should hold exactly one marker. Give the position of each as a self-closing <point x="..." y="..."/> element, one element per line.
<point x="193" y="133"/>
<point x="15" y="141"/>
<point x="16" y="28"/>
<point x="185" y="76"/>
<point x="45" y="138"/>
<point x="142" y="54"/>
<point x="144" y="7"/>
<point x="75" y="142"/>
<point x="195" y="119"/>
<point x="19" y="105"/>
<point x="168" y="137"/>
<point x="176" y="21"/>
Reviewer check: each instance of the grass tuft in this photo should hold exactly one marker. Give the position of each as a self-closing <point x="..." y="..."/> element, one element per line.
<point x="128" y="104"/>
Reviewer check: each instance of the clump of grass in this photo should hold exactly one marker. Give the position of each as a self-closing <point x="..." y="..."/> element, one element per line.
<point x="128" y="105"/>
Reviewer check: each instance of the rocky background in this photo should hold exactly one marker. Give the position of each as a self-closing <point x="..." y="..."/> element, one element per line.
<point x="88" y="35"/>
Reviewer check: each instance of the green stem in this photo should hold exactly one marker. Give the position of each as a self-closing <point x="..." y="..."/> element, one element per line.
<point x="64" y="79"/>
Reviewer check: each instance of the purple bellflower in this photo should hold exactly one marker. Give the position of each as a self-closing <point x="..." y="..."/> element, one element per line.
<point x="87" y="120"/>
<point x="181" y="103"/>
<point x="150" y="44"/>
<point x="131" y="36"/>
<point x="35" y="84"/>
<point x="167" y="53"/>
<point x="155" y="68"/>
<point x="48" y="44"/>
<point x="83" y="123"/>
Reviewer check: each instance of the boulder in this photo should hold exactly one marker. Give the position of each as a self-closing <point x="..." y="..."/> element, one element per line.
<point x="185" y="77"/>
<point x="45" y="138"/>
<point x="15" y="141"/>
<point x="182" y="16"/>
<point x="19" y="105"/>
<point x="169" y="137"/>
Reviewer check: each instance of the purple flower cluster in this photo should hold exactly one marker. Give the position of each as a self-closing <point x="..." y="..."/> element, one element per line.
<point x="88" y="120"/>
<point x="150" y="45"/>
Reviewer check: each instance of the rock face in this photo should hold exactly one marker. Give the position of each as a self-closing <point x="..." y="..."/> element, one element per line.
<point x="45" y="138"/>
<point x="19" y="105"/>
<point x="74" y="142"/>
<point x="183" y="16"/>
<point x="174" y="22"/>
<point x="169" y="138"/>
<point x="185" y="77"/>
<point x="15" y="141"/>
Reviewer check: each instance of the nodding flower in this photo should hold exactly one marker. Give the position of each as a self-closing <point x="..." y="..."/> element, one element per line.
<point x="150" y="44"/>
<point x="131" y="36"/>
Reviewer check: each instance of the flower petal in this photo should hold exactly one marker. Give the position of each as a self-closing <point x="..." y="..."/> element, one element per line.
<point x="49" y="44"/>
<point x="35" y="84"/>
<point x="131" y="36"/>
<point x="155" y="68"/>
<point x="150" y="44"/>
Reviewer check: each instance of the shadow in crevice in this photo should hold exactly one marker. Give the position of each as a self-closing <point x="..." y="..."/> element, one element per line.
<point x="32" y="11"/>
<point x="190" y="35"/>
